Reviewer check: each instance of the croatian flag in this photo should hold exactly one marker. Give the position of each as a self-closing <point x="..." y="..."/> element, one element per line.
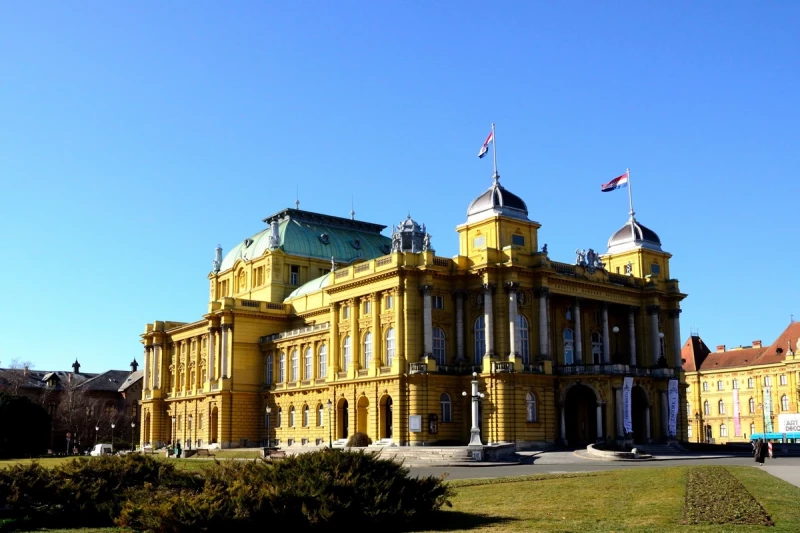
<point x="616" y="183"/>
<point x="485" y="148"/>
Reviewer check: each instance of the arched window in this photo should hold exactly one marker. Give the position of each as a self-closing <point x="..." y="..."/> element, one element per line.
<point x="784" y="403"/>
<point x="295" y="365"/>
<point x="346" y="353"/>
<point x="530" y="407"/>
<point x="569" y="347"/>
<point x="323" y="361"/>
<point x="480" y="339"/>
<point x="447" y="411"/>
<point x="367" y="349"/>
<point x="389" y="346"/>
<point x="305" y="416"/>
<point x="320" y="413"/>
<point x="524" y="342"/>
<point x="706" y="408"/>
<point x="291" y="416"/>
<point x="597" y="348"/>
<point x="279" y="420"/>
<point x="282" y="368"/>
<point x="752" y="405"/>
<point x="438" y="346"/>
<point x="721" y="407"/>
<point x="308" y="371"/>
<point x="269" y="369"/>
<point x="723" y="430"/>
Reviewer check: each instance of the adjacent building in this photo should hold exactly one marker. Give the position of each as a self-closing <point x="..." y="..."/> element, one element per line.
<point x="318" y="327"/>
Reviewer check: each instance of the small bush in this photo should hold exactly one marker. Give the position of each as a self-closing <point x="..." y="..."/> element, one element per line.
<point x="359" y="440"/>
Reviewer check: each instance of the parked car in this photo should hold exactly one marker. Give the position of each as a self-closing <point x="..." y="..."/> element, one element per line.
<point x="101" y="449"/>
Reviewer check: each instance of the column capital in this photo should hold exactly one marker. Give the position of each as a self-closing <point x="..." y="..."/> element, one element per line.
<point x="633" y="308"/>
<point x="541" y="291"/>
<point x="425" y="289"/>
<point x="488" y="287"/>
<point x="157" y="345"/>
<point x="459" y="293"/>
<point x="578" y="301"/>
<point x="653" y="309"/>
<point x="674" y="313"/>
<point x="605" y="306"/>
<point x="512" y="286"/>
<point x="213" y="329"/>
<point x="226" y="327"/>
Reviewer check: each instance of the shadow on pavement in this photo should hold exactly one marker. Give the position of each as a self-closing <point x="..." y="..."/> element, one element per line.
<point x="456" y="520"/>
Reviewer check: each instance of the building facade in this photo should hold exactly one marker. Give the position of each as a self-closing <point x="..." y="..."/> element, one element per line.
<point x="318" y="327"/>
<point x="735" y="393"/>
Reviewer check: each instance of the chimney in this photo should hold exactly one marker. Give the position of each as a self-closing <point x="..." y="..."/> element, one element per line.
<point x="25" y="370"/>
<point x="76" y="367"/>
<point x="720" y="347"/>
<point x="134" y="365"/>
<point x="756" y="344"/>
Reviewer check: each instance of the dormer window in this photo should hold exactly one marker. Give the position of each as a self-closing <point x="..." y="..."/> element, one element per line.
<point x="356" y="244"/>
<point x="324" y="238"/>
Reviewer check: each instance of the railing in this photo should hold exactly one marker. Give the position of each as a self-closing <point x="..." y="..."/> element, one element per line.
<point x="613" y="369"/>
<point x="250" y="303"/>
<point x="533" y="368"/>
<point x="563" y="268"/>
<point x="383" y="261"/>
<point x="363" y="372"/>
<point x="386" y="369"/>
<point x="458" y="370"/>
<point x="295" y="332"/>
<point x="442" y="261"/>
<point x="503" y="367"/>
<point x="362" y="267"/>
<point x="271" y="305"/>
<point x="343" y="273"/>
<point x="417" y="368"/>
<point x="619" y="278"/>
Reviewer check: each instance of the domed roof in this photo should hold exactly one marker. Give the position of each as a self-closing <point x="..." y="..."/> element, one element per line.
<point x="633" y="235"/>
<point x="497" y="201"/>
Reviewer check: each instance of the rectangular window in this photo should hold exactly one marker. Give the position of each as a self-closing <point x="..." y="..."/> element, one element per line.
<point x="689" y="431"/>
<point x="389" y="302"/>
<point x="518" y="240"/>
<point x="597" y="317"/>
<point x="294" y="275"/>
<point x="479" y="242"/>
<point x="705" y="386"/>
<point x="655" y="269"/>
<point x="269" y="370"/>
<point x="438" y="302"/>
<point x="767" y="381"/>
<point x="720" y="385"/>
<point x="346" y="311"/>
<point x="367" y="307"/>
<point x="735" y="384"/>
<point x="750" y="383"/>
<point x="723" y="430"/>
<point x="783" y="379"/>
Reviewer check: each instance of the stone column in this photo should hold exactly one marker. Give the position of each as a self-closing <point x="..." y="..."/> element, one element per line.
<point x="157" y="362"/>
<point x="618" y="410"/>
<point x="400" y="353"/>
<point x="459" y="325"/>
<point x="632" y="334"/>
<point x="664" y="415"/>
<point x="544" y="341"/>
<point x="655" y="345"/>
<point x="333" y="343"/>
<point x="578" y="335"/>
<point x="210" y="355"/>
<point x="224" y="351"/>
<point x="513" y="330"/>
<point x="378" y="345"/>
<point x="176" y="381"/>
<point x="600" y="436"/>
<point x="563" y="424"/>
<point x="355" y="336"/>
<point x="488" y="309"/>
<point x="606" y="339"/>
<point x="147" y="365"/>
<point x="427" y="320"/>
<point x="647" y="424"/>
<point x="675" y="316"/>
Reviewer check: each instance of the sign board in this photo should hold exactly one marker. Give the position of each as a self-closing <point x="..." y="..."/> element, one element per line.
<point x="415" y="423"/>
<point x="788" y="423"/>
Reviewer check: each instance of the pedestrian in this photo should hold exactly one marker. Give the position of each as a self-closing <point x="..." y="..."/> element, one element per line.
<point x="760" y="452"/>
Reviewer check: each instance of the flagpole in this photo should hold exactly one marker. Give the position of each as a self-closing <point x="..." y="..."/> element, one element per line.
<point x="494" y="153"/>
<point x="630" y="192"/>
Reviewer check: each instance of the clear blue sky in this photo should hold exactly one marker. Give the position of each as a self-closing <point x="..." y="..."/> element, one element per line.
<point x="135" y="138"/>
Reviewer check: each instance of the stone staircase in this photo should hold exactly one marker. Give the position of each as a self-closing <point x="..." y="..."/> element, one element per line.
<point x="661" y="449"/>
<point x="425" y="455"/>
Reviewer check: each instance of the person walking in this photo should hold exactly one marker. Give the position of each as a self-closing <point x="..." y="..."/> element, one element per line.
<point x="760" y="453"/>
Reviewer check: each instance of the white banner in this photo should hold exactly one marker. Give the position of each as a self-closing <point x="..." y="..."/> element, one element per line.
<point x="627" y="424"/>
<point x="673" y="407"/>
<point x="767" y="410"/>
<point x="789" y="423"/>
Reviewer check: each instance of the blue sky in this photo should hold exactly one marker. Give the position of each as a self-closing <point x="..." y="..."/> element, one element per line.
<point x="135" y="138"/>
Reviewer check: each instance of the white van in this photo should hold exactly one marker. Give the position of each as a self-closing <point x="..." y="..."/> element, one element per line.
<point x="101" y="449"/>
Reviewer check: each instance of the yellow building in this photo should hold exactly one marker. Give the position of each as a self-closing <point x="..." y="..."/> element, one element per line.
<point x="734" y="393"/>
<point x="300" y="351"/>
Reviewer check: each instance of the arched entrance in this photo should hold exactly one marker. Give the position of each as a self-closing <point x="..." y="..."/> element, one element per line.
<point x="386" y="417"/>
<point x="639" y="407"/>
<point x="147" y="439"/>
<point x="580" y="415"/>
<point x="362" y="416"/>
<point x="214" y="424"/>
<point x="343" y="415"/>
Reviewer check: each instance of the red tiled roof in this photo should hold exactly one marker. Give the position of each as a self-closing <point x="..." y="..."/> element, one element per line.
<point x="731" y="358"/>
<point x="789" y="337"/>
<point x="693" y="353"/>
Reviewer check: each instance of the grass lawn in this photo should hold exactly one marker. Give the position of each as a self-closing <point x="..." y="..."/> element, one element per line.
<point x="646" y="500"/>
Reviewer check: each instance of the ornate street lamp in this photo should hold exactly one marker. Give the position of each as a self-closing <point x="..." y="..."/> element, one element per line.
<point x="112" y="436"/>
<point x="475" y="430"/>
<point x="661" y="344"/>
<point x="96" y="429"/>
<point x="697" y="424"/>
<point x="330" y="425"/>
<point x="269" y="440"/>
<point x="189" y="440"/>
<point x="133" y="433"/>
<point x="615" y="329"/>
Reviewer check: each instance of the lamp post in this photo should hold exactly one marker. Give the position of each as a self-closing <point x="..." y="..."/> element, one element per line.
<point x="173" y="431"/>
<point x="96" y="429"/>
<point x="475" y="430"/>
<point x="697" y="425"/>
<point x="330" y="425"/>
<point x="661" y="344"/>
<point x="189" y="440"/>
<point x="269" y="440"/>
<point x="112" y="436"/>
<point x="615" y="329"/>
<point x="133" y="433"/>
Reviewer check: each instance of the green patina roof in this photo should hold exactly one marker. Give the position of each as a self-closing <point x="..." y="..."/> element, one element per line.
<point x="310" y="287"/>
<point x="299" y="234"/>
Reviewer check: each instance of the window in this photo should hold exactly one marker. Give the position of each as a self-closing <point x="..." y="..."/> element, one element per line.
<point x="597" y="317"/>
<point x="752" y="428"/>
<point x="438" y="302"/>
<point x="305" y="416"/>
<point x="720" y="385"/>
<point x="784" y="403"/>
<point x="389" y="302"/>
<point x="282" y="368"/>
<point x="367" y="307"/>
<point x="569" y="347"/>
<point x="367" y="349"/>
<point x="480" y="340"/>
<point x="723" y="430"/>
<point x="721" y="407"/>
<point x="688" y="410"/>
<point x="279" y="417"/>
<point x="518" y="240"/>
<point x="390" y="346"/>
<point x="568" y="313"/>
<point x="735" y="384"/>
<point x="782" y="379"/>
<point x="447" y="411"/>
<point x="438" y="346"/>
<point x="320" y="415"/>
<point x="655" y="269"/>
<point x="689" y="430"/>
<point x="479" y="242"/>
<point x="291" y="417"/>
<point x="524" y="342"/>
<point x="530" y="407"/>
<point x="752" y="405"/>
<point x="309" y="369"/>
<point x="295" y="365"/>
<point x="346" y="352"/>
<point x="323" y="361"/>
<point x="750" y="383"/>
<point x="597" y="348"/>
<point x="706" y="408"/>
<point x="346" y="311"/>
<point x="294" y="275"/>
<point x="269" y="369"/>
<point x="767" y="381"/>
<point x="705" y="386"/>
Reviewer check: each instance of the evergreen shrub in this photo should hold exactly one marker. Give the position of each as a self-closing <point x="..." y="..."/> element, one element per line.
<point x="359" y="440"/>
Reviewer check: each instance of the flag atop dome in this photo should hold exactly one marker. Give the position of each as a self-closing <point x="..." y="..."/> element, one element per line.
<point x="485" y="148"/>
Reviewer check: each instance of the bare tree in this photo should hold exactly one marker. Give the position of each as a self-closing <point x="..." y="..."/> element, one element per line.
<point x="16" y="376"/>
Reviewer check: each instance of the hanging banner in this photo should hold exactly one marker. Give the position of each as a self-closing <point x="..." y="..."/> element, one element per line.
<point x="673" y="407"/>
<point x="627" y="423"/>
<point x="737" y="425"/>
<point x="767" y="411"/>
